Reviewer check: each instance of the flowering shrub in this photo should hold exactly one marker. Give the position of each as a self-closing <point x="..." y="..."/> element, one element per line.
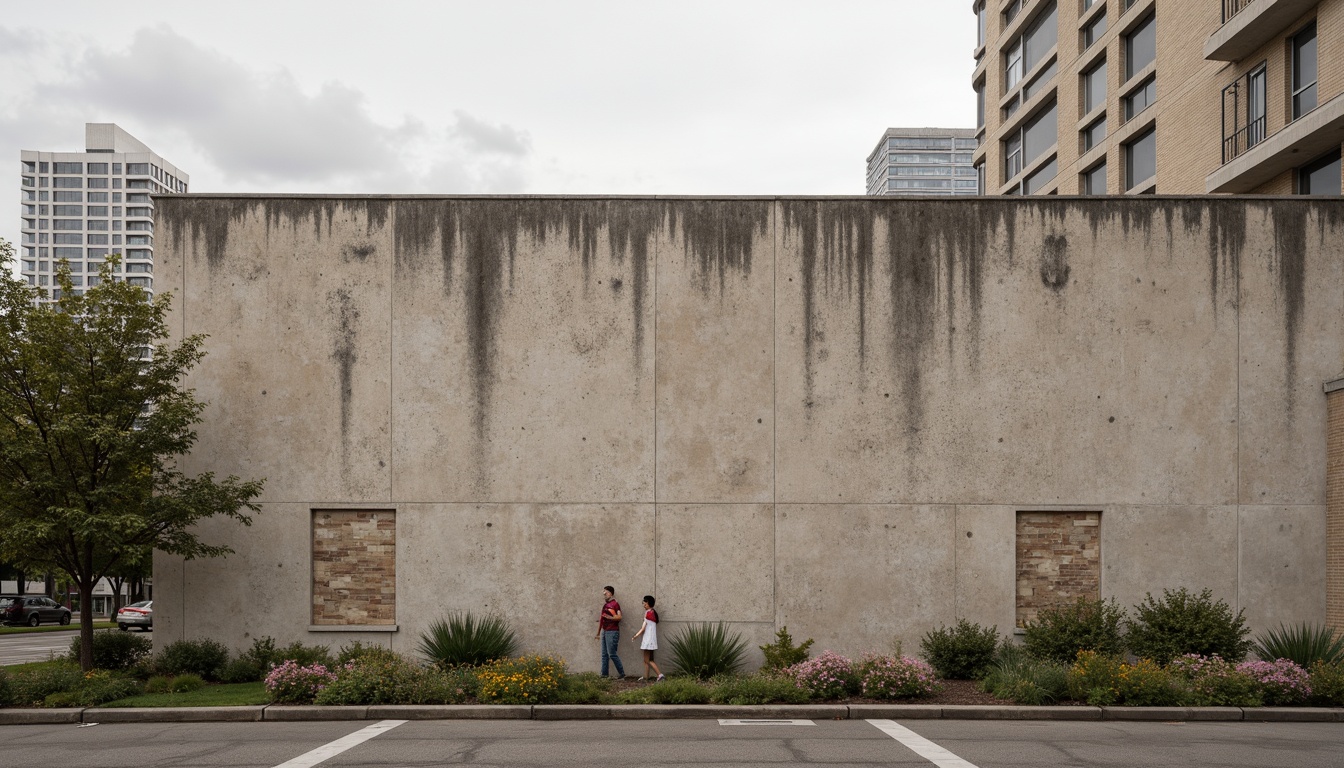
<point x="524" y="680"/>
<point x="1281" y="682"/>
<point x="828" y="676"/>
<point x="1215" y="682"/>
<point x="1327" y="684"/>
<point x="1104" y="680"/>
<point x="386" y="678"/>
<point x="893" y="677"/>
<point x="290" y="683"/>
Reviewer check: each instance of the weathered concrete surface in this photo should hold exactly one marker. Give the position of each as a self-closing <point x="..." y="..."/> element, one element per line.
<point x="764" y="411"/>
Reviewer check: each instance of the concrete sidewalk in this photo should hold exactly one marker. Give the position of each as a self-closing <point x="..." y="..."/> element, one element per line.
<point x="284" y="713"/>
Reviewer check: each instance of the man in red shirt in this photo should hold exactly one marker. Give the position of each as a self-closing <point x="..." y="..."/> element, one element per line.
<point x="609" y="631"/>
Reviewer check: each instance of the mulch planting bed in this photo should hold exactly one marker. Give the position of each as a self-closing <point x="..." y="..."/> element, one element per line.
<point x="954" y="692"/>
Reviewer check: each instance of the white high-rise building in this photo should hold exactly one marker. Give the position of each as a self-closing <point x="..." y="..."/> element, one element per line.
<point x="82" y="206"/>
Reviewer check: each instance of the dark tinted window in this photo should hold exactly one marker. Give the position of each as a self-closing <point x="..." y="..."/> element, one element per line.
<point x="1321" y="177"/>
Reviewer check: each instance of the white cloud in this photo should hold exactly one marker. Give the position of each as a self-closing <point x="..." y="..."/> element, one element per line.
<point x="262" y="129"/>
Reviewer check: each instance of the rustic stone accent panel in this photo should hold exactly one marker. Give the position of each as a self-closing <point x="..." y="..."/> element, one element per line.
<point x="1334" y="506"/>
<point x="1058" y="560"/>
<point x="354" y="567"/>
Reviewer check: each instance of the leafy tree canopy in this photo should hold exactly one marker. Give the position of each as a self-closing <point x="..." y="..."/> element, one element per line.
<point x="93" y="416"/>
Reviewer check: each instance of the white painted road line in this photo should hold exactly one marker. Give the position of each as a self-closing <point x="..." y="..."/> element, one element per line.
<point x="758" y="721"/>
<point x="920" y="745"/>
<point x="328" y="751"/>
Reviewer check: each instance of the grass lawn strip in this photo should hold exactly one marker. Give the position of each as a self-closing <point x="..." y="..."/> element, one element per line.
<point x="73" y="626"/>
<point x="235" y="695"/>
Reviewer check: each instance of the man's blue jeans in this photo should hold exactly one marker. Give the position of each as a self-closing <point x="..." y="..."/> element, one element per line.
<point x="611" y="640"/>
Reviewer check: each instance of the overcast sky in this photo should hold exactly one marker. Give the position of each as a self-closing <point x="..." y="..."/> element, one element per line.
<point x="508" y="96"/>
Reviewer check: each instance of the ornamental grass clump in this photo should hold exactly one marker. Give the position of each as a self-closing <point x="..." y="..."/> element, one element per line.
<point x="1018" y="677"/>
<point x="828" y="676"/>
<point x="1302" y="644"/>
<point x="895" y="677"/>
<point x="290" y="683"/>
<point x="524" y="680"/>
<point x="1215" y="682"/>
<point x="465" y="640"/>
<point x="1281" y="682"/>
<point x="707" y="650"/>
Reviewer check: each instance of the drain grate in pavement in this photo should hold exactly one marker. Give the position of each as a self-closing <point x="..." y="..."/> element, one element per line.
<point x="723" y="721"/>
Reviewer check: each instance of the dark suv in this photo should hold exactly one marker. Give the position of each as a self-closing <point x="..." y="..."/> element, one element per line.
<point x="26" y="609"/>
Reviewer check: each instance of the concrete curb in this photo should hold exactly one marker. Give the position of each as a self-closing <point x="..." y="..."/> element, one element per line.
<point x="555" y="712"/>
<point x="39" y="716"/>
<point x="1294" y="715"/>
<point x="297" y="713"/>
<point x="448" y="712"/>
<point x="175" y="715"/>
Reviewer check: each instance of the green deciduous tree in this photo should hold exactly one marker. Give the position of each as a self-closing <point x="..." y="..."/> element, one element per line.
<point x="93" y="415"/>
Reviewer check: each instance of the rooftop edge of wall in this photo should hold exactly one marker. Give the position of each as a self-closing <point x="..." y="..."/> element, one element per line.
<point x="874" y="198"/>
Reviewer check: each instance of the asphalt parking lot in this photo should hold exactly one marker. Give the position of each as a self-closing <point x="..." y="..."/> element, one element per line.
<point x="644" y="744"/>
<point x="36" y="646"/>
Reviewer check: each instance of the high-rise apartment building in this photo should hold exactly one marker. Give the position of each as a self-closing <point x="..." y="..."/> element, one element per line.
<point x="82" y="206"/>
<point x="923" y="161"/>
<point x="1172" y="96"/>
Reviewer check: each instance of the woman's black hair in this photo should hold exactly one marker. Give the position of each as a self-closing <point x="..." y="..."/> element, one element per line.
<point x="649" y="599"/>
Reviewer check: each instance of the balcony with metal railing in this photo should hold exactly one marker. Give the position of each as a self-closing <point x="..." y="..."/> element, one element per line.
<point x="1252" y="156"/>
<point x="1249" y="24"/>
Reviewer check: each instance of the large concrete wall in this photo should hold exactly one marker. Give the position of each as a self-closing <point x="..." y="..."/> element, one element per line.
<point x="820" y="413"/>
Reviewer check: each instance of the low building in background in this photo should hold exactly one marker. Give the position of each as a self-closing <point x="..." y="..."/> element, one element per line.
<point x="923" y="161"/>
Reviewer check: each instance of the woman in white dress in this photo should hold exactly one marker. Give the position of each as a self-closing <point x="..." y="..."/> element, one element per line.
<point x="649" y="631"/>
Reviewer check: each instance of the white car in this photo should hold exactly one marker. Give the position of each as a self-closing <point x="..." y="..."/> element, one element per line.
<point x="139" y="614"/>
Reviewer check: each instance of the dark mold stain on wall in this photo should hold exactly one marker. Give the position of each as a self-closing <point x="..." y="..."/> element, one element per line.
<point x="1290" y="267"/>
<point x="937" y="255"/>
<point x="341" y="305"/>
<point x="718" y="235"/>
<point x="360" y="252"/>
<point x="1055" y="262"/>
<point x="477" y="242"/>
<point x="207" y="221"/>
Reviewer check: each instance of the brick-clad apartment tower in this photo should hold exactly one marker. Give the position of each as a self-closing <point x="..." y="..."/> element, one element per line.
<point x="1110" y="97"/>
<point x="1334" y="501"/>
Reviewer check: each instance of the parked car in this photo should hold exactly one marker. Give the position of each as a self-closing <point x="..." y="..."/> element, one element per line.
<point x="26" y="609"/>
<point x="139" y="614"/>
